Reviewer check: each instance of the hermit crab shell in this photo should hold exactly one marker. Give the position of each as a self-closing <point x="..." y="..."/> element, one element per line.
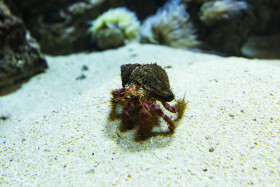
<point x="151" y="77"/>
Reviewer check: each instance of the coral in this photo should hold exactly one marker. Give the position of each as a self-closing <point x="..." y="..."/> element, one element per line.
<point x="170" y="26"/>
<point x="217" y="10"/>
<point x="114" y="28"/>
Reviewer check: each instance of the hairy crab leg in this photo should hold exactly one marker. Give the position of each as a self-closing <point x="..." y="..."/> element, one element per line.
<point x="146" y="119"/>
<point x="126" y="116"/>
<point x="144" y="105"/>
<point x="117" y="95"/>
<point x="179" y="108"/>
<point x="112" y="115"/>
<point x="168" y="107"/>
<point x="171" y="124"/>
<point x="118" y="92"/>
<point x="135" y="90"/>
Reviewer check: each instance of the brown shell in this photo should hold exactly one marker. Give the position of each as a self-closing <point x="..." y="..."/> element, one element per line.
<point x="126" y="71"/>
<point x="151" y="77"/>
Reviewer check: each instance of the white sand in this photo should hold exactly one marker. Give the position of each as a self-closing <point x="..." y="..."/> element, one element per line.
<point x="54" y="137"/>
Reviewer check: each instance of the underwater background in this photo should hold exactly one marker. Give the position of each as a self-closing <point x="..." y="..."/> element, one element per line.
<point x="61" y="69"/>
<point x="248" y="28"/>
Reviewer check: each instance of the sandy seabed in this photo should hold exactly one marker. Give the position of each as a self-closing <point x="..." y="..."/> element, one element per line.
<point x="58" y="133"/>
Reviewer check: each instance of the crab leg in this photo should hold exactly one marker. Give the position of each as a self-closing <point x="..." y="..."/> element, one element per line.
<point x="168" y="107"/>
<point x="118" y="93"/>
<point x="126" y="116"/>
<point x="171" y="125"/>
<point x="179" y="108"/>
<point x="146" y="119"/>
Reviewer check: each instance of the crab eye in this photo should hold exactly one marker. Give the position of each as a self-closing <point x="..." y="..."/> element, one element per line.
<point x="169" y="98"/>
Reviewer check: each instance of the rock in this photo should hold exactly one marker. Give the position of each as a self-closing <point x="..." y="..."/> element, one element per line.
<point x="19" y="55"/>
<point x="63" y="29"/>
<point x="266" y="46"/>
<point x="225" y="26"/>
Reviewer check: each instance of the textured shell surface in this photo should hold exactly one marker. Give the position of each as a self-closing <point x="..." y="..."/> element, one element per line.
<point x="152" y="77"/>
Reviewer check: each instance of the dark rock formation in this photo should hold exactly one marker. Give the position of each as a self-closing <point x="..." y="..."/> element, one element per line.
<point x="19" y="55"/>
<point x="61" y="27"/>
<point x="230" y="34"/>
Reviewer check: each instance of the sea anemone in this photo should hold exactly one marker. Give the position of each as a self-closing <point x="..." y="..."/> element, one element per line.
<point x="114" y="28"/>
<point x="217" y="10"/>
<point x="170" y="26"/>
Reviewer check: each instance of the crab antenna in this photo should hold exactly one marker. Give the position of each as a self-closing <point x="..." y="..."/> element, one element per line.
<point x="98" y="104"/>
<point x="108" y="101"/>
<point x="184" y="95"/>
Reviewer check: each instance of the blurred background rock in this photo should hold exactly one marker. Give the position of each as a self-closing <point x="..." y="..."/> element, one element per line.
<point x="248" y="28"/>
<point x="61" y="27"/>
<point x="19" y="53"/>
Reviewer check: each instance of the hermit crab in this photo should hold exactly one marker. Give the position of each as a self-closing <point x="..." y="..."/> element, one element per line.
<point x="136" y="102"/>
